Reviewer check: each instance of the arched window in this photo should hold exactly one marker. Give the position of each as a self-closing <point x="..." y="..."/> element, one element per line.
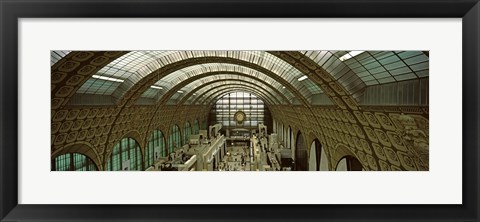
<point x="287" y="135"/>
<point x="175" y="139"/>
<point x="252" y="106"/>
<point x="187" y="131"/>
<point x="292" y="139"/>
<point x="126" y="155"/>
<point x="195" y="127"/>
<point x="275" y="127"/>
<point x="349" y="163"/>
<point x="318" y="158"/>
<point x="73" y="162"/>
<point x="155" y="148"/>
<point x="280" y="130"/>
<point x="301" y="161"/>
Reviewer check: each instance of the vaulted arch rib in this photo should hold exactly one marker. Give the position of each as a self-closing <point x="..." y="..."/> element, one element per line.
<point x="135" y="91"/>
<point x="263" y="95"/>
<point x="209" y="88"/>
<point x="211" y="84"/>
<point x="200" y="80"/>
<point x="212" y="97"/>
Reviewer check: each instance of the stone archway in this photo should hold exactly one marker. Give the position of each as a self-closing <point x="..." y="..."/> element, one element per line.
<point x="318" y="160"/>
<point x="349" y="163"/>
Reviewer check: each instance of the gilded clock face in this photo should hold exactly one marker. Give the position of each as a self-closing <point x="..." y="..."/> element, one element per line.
<point x="239" y="116"/>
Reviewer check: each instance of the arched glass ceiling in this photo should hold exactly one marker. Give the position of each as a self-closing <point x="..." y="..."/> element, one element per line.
<point x="357" y="69"/>
<point x="203" y="90"/>
<point x="306" y="87"/>
<point x="119" y="70"/>
<point x="57" y="55"/>
<point x="205" y="83"/>
<point x="177" y="77"/>
<point x="212" y="88"/>
<point x="133" y="66"/>
<point x="213" y="98"/>
<point x="207" y="99"/>
<point x="167" y="83"/>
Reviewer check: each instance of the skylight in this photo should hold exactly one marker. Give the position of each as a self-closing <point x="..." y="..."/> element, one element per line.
<point x="350" y="55"/>
<point x="302" y="78"/>
<point x="156" y="87"/>
<point x="108" y="78"/>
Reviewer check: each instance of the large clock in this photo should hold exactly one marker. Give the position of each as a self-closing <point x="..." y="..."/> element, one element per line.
<point x="239" y="116"/>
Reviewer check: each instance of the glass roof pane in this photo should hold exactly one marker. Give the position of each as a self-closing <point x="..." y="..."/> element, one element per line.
<point x="416" y="59"/>
<point x="372" y="66"/>
<point x="420" y="66"/>
<point x="395" y="65"/>
<point x="421" y="74"/>
<point x="408" y="54"/>
<point x="368" y="78"/>
<point x="382" y="55"/>
<point x="368" y="59"/>
<point x="386" y="80"/>
<point x="371" y="82"/>
<point x="359" y="69"/>
<point x="135" y="65"/>
<point x="377" y="70"/>
<point x="93" y="86"/>
<point x="151" y="93"/>
<point x="389" y="60"/>
<point x="400" y="71"/>
<point x="381" y="75"/>
<point x="362" y="74"/>
<point x="405" y="76"/>
<point x="57" y="55"/>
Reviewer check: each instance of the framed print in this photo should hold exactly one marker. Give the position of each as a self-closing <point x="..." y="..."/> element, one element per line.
<point x="239" y="110"/>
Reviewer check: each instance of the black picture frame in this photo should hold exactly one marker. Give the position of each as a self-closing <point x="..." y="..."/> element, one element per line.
<point x="11" y="11"/>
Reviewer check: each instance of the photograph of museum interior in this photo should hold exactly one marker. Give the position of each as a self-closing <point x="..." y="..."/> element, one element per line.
<point x="239" y="110"/>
